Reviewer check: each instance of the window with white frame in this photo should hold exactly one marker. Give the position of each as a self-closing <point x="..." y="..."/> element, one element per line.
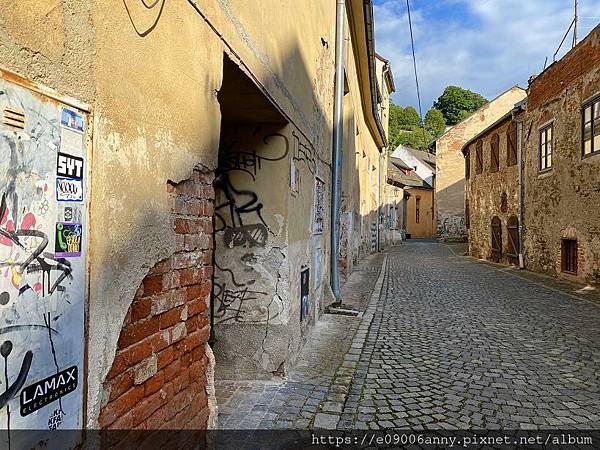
<point x="546" y="143"/>
<point x="590" y="115"/>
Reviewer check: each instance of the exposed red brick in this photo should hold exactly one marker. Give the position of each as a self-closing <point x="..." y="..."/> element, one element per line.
<point x="182" y="226"/>
<point x="168" y="318"/>
<point x="120" y="384"/>
<point x="140" y="309"/>
<point x="153" y="285"/>
<point x="172" y="369"/>
<point x="196" y="306"/>
<point x="165" y="357"/>
<point x="154" y="384"/>
<point x="137" y="331"/>
<point x="120" y="406"/>
<point x="147" y="406"/>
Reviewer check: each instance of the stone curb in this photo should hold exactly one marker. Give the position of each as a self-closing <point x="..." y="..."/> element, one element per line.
<point x="332" y="406"/>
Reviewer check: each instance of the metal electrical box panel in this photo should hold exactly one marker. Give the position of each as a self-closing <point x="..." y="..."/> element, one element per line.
<point x="43" y="236"/>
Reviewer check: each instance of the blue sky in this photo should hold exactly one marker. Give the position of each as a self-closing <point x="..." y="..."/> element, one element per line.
<point x="483" y="45"/>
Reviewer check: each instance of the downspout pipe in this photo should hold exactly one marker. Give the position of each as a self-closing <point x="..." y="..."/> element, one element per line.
<point x="521" y="189"/>
<point x="336" y="158"/>
<point x="379" y="205"/>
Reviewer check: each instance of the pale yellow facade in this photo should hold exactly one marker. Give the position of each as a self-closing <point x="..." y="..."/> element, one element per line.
<point x="156" y="84"/>
<point x="420" y="222"/>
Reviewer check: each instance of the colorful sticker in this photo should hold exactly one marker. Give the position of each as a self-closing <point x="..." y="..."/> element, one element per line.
<point x="68" y="239"/>
<point x="71" y="213"/>
<point x="72" y="119"/>
<point x="48" y="390"/>
<point x="68" y="190"/>
<point x="71" y="142"/>
<point x="69" y="166"/>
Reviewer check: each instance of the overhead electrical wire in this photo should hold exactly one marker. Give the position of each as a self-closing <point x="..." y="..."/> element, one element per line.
<point x="412" y="44"/>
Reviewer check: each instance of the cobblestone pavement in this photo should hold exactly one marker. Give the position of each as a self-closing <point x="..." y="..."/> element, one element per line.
<point x="457" y="344"/>
<point x="313" y="394"/>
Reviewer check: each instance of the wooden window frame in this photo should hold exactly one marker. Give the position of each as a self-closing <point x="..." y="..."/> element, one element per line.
<point x="594" y="102"/>
<point x="495" y="153"/>
<point x="565" y="267"/>
<point x="511" y="144"/>
<point x="479" y="157"/>
<point x="417" y="209"/>
<point x="546" y="147"/>
<point x="468" y="164"/>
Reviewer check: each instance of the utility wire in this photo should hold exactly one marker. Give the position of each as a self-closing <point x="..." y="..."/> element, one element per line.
<point x="412" y="43"/>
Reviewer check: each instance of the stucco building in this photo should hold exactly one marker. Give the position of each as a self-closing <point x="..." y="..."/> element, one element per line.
<point x="413" y="197"/>
<point x="450" y="170"/>
<point x="538" y="167"/>
<point x="176" y="156"/>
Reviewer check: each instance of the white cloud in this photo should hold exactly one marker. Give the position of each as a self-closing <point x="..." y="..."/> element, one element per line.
<point x="493" y="45"/>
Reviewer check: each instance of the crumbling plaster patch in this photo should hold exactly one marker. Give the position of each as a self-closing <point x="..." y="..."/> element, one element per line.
<point x="128" y="236"/>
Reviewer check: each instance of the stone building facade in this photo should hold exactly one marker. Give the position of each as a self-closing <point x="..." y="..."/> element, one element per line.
<point x="557" y="135"/>
<point x="205" y="132"/>
<point x="562" y="193"/>
<point x="492" y="192"/>
<point x="450" y="165"/>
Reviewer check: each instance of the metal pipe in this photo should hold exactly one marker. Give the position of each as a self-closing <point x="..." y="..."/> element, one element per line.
<point x="379" y="205"/>
<point x="521" y="190"/>
<point x="336" y="158"/>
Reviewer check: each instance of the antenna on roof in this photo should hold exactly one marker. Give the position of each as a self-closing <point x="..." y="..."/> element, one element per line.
<point x="575" y="19"/>
<point x="572" y="25"/>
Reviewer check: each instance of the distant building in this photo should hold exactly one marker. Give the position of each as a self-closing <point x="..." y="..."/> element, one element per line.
<point x="415" y="216"/>
<point x="450" y="170"/>
<point x="422" y="162"/>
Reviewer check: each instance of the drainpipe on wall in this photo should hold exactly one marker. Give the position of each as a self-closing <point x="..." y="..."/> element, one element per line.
<point x="336" y="159"/>
<point x="379" y="204"/>
<point x="521" y="190"/>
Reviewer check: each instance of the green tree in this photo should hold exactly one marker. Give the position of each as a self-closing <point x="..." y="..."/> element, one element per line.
<point x="457" y="103"/>
<point x="418" y="138"/>
<point x="435" y="123"/>
<point x="402" y="118"/>
<point x="401" y="122"/>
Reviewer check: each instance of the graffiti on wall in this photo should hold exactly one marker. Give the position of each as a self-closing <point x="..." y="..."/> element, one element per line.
<point x="319" y="214"/>
<point x="233" y="297"/>
<point x="42" y="265"/>
<point x="240" y="224"/>
<point x="304" y="154"/>
<point x="248" y="160"/>
<point x="452" y="226"/>
<point x="236" y="207"/>
<point x="239" y="212"/>
<point x="304" y="294"/>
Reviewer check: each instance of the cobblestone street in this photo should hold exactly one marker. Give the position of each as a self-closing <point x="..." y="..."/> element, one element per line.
<point x="451" y="343"/>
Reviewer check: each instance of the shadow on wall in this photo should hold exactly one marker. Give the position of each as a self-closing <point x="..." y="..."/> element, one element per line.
<point x="451" y="214"/>
<point x="271" y="216"/>
<point x="267" y="224"/>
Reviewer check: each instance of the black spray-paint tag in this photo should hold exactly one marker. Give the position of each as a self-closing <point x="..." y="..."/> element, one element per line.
<point x="44" y="392"/>
<point x="69" y="166"/>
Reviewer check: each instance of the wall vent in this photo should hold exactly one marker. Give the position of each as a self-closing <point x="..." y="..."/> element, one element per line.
<point x="13" y="118"/>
